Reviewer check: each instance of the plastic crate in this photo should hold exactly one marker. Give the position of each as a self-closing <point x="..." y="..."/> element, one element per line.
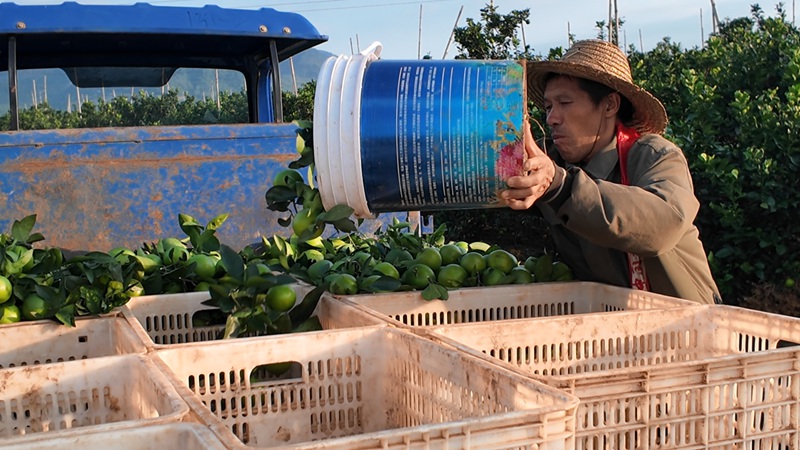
<point x="700" y="377"/>
<point x="185" y="436"/>
<point x="75" y="397"/>
<point x="482" y="304"/>
<point x="162" y="320"/>
<point x="365" y="388"/>
<point x="44" y="341"/>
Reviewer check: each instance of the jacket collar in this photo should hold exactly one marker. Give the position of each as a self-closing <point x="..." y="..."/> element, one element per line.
<point x="602" y="163"/>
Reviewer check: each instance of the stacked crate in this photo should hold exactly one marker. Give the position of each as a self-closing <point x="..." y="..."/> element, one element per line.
<point x="64" y="384"/>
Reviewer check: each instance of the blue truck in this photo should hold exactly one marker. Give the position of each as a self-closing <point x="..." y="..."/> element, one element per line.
<point x="100" y="188"/>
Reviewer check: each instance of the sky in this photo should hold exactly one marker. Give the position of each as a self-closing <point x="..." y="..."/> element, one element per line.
<point x="410" y="29"/>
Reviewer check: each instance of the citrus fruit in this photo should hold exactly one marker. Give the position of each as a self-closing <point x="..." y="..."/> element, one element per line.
<point x="204" y="265"/>
<point x="175" y="255"/>
<point x="473" y="262"/>
<point x="121" y="254"/>
<point x="452" y="276"/>
<point x="319" y="269"/>
<point x="479" y="246"/>
<point x="386" y="269"/>
<point x="451" y="253"/>
<point x="202" y="286"/>
<point x="418" y="275"/>
<point x="501" y="260"/>
<point x="789" y="283"/>
<point x="463" y="245"/>
<point x="9" y="314"/>
<point x="281" y="298"/>
<point x="135" y="289"/>
<point x="343" y="284"/>
<point x="520" y="275"/>
<point x="492" y="277"/>
<point x="304" y="220"/>
<point x="530" y="263"/>
<point x="278" y="369"/>
<point x="561" y="272"/>
<point x="150" y="262"/>
<point x="170" y="242"/>
<point x="396" y="256"/>
<point x="5" y="289"/>
<point x="287" y="177"/>
<point x="34" y="307"/>
<point x="431" y="257"/>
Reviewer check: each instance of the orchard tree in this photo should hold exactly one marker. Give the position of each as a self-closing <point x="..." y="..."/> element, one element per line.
<point x="495" y="36"/>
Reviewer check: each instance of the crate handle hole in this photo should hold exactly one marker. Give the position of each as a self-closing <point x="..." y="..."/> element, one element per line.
<point x="208" y="318"/>
<point x="278" y="372"/>
<point x="83" y="338"/>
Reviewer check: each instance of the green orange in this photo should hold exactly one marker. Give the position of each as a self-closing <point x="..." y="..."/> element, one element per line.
<point x="281" y="297"/>
<point x="5" y="289"/>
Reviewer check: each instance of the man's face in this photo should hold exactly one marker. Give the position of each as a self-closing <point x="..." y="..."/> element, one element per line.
<point x="573" y="118"/>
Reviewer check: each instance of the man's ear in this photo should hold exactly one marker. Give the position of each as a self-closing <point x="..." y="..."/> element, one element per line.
<point x="612" y="103"/>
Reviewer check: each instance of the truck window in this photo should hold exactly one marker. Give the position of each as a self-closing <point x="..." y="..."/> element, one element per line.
<point x="50" y="99"/>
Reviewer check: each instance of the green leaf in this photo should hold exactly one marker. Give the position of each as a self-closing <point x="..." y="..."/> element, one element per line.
<point x="21" y="229"/>
<point x="310" y="324"/>
<point x="232" y="262"/>
<point x="187" y="220"/>
<point x="280" y="194"/>
<point x="303" y="124"/>
<point x="336" y="213"/>
<point x="305" y="160"/>
<point x="217" y="222"/>
<point x="232" y="327"/>
<point x="346" y="225"/>
<point x="35" y="237"/>
<point x="66" y="315"/>
<point x="385" y="284"/>
<point x="282" y="324"/>
<point x="434" y="291"/>
<point x="302" y="311"/>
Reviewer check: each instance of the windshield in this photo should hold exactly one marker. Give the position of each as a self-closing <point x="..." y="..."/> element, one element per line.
<point x="50" y="98"/>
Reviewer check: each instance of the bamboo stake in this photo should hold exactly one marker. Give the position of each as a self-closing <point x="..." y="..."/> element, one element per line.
<point x="419" y="34"/>
<point x="452" y="32"/>
<point x="294" y="78"/>
<point x="702" y="33"/>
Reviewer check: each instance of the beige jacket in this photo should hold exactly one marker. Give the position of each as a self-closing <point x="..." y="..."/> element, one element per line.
<point x="595" y="220"/>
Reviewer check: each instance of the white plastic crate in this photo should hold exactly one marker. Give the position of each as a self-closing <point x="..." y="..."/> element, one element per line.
<point x="480" y="304"/>
<point x="700" y="377"/>
<point x="162" y="320"/>
<point x="71" y="398"/>
<point x="184" y="436"/>
<point x="45" y="341"/>
<point x="365" y="388"/>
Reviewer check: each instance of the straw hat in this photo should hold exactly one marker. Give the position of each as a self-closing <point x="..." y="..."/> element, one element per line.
<point x="604" y="63"/>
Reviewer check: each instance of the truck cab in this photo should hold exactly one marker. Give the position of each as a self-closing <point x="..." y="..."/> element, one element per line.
<point x="122" y="181"/>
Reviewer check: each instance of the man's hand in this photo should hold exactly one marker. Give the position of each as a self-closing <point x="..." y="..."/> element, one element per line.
<point x="540" y="169"/>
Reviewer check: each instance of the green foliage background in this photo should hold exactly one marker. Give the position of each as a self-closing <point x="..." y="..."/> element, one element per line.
<point x="734" y="108"/>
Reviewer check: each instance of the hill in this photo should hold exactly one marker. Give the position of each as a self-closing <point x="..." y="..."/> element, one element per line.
<point x="54" y="86"/>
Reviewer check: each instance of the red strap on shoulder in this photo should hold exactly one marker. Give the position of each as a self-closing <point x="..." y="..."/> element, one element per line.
<point x="626" y="137"/>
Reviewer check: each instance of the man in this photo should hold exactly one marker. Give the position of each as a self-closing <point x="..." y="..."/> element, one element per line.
<point x="618" y="195"/>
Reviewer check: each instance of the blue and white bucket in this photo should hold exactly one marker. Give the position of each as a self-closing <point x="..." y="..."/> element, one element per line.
<point x="417" y="135"/>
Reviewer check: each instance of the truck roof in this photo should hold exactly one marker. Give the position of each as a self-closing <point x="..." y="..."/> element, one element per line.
<point x="73" y="35"/>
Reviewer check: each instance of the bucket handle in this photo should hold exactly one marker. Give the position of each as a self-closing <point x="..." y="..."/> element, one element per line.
<point x="374" y="49"/>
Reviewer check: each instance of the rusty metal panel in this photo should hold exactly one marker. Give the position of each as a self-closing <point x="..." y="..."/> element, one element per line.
<point x="97" y="189"/>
